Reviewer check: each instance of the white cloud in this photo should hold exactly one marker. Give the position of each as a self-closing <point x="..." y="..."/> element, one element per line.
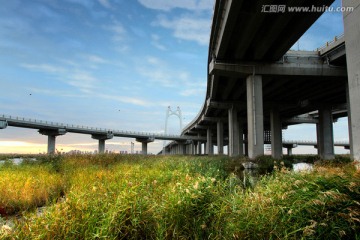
<point x="166" y="5"/>
<point x="157" y="71"/>
<point x="94" y="58"/>
<point x="156" y="42"/>
<point x="189" y="28"/>
<point x="105" y="3"/>
<point x="84" y="81"/>
<point x="125" y="99"/>
<point x="192" y="92"/>
<point x="47" y="68"/>
<point x="118" y="30"/>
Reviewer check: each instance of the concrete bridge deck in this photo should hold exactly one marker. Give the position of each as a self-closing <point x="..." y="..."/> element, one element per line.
<point x="53" y="129"/>
<point x="256" y="87"/>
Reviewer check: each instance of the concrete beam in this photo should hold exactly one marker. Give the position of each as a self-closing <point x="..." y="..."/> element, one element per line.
<point x="197" y="126"/>
<point x="352" y="39"/>
<point x="225" y="104"/>
<point x="308" y="66"/>
<point x="212" y="119"/>
<point x="299" y="120"/>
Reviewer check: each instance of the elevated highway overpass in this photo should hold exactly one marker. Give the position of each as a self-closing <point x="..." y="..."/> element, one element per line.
<point x="256" y="87"/>
<point x="255" y="84"/>
<point x="54" y="129"/>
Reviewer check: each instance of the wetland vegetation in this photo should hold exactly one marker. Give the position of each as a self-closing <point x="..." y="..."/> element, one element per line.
<point x="176" y="197"/>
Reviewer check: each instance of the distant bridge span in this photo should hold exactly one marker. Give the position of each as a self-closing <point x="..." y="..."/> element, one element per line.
<point x="53" y="129"/>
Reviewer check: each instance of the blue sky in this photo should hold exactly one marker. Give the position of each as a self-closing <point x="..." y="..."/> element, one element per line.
<point x="113" y="64"/>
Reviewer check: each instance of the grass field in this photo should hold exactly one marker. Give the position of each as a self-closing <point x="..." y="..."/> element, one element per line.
<point x="176" y="197"/>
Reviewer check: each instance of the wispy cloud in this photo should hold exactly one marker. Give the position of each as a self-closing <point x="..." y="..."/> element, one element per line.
<point x="47" y="68"/>
<point x="166" y="5"/>
<point x="105" y="3"/>
<point x="125" y="99"/>
<point x="119" y="36"/>
<point x="81" y="79"/>
<point x="94" y="58"/>
<point x="192" y="92"/>
<point x="118" y="30"/>
<point x="190" y="28"/>
<point x="158" y="72"/>
<point x="84" y="81"/>
<point x="155" y="41"/>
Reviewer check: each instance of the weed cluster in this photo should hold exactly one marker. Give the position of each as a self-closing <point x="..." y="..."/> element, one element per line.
<point x="174" y="197"/>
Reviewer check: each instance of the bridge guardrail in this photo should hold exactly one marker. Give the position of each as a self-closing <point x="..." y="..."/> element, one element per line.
<point x="336" y="38"/>
<point x="81" y="127"/>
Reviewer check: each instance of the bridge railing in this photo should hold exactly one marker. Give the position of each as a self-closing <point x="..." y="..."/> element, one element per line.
<point x="336" y="38"/>
<point x="81" y="127"/>
<point x="309" y="142"/>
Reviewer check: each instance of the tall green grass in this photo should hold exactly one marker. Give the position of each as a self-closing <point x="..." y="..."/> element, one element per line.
<point x="27" y="186"/>
<point x="173" y="197"/>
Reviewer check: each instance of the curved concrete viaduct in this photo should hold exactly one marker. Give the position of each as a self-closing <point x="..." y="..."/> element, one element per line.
<point x="255" y="85"/>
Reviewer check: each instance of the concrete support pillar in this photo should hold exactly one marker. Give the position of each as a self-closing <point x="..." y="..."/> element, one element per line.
<point x="326" y="136"/>
<point x="209" y="143"/>
<point x="101" y="146"/>
<point x="51" y="144"/>
<point x="199" y="145"/>
<point x="289" y="151"/>
<point x="241" y="137"/>
<point x="233" y="147"/>
<point x="246" y="145"/>
<point x="3" y="124"/>
<point x="181" y="148"/>
<point x="102" y="138"/>
<point x="276" y="134"/>
<point x="255" y="116"/>
<point x="144" y="143"/>
<point x="144" y="148"/>
<point x="289" y="148"/>
<point x="195" y="147"/>
<point x="52" y="134"/>
<point x="318" y="139"/>
<point x="349" y="120"/>
<point x="192" y="148"/>
<point x="352" y="40"/>
<point x="220" y="137"/>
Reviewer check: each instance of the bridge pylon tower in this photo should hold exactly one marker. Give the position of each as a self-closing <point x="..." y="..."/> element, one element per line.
<point x="169" y="113"/>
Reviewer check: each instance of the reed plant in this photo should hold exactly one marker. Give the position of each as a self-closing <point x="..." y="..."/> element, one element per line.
<point x="192" y="197"/>
<point x="25" y="187"/>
